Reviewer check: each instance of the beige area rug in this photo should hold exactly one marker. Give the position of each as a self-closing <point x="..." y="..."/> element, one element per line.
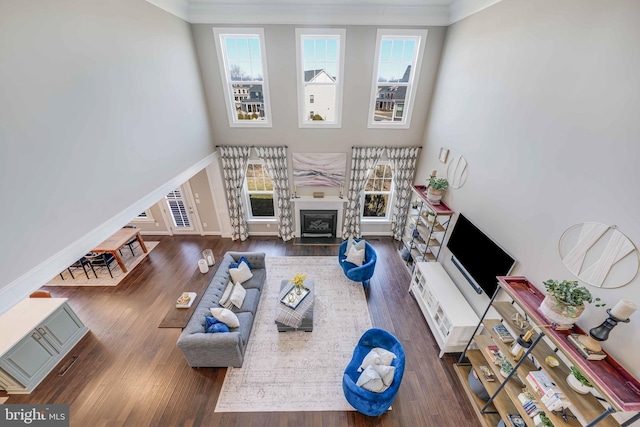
<point x="104" y="279"/>
<point x="299" y="371"/>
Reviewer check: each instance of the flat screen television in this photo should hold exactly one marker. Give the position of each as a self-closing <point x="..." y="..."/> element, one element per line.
<point x="478" y="258"/>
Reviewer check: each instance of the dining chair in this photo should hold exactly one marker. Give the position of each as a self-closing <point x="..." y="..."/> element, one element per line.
<point x="103" y="259"/>
<point x="131" y="241"/>
<point x="82" y="263"/>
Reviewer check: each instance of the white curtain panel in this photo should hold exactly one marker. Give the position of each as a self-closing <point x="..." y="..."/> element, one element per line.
<point x="234" y="167"/>
<point x="363" y="161"/>
<point x="275" y="160"/>
<point x="403" y="164"/>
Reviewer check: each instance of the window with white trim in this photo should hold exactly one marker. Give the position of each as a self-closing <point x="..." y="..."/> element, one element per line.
<point x="395" y="77"/>
<point x="320" y="63"/>
<point x="177" y="208"/>
<point x="259" y="195"/>
<point x="243" y="67"/>
<point x="378" y="192"/>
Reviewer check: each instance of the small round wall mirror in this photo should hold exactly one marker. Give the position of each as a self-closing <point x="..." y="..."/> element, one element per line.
<point x="599" y="255"/>
<point x="457" y="172"/>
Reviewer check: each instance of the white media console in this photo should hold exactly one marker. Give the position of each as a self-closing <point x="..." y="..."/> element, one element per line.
<point x="449" y="315"/>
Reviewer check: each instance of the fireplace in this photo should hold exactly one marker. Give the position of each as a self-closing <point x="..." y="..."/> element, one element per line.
<point x="318" y="223"/>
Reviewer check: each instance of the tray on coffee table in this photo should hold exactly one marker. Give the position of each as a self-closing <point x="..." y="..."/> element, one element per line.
<point x="292" y="300"/>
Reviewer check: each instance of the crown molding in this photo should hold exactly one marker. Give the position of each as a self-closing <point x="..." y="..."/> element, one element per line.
<point x="363" y="13"/>
<point x="460" y="9"/>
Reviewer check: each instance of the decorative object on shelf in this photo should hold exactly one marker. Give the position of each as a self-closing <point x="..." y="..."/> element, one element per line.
<point x="318" y="194"/>
<point x="505" y="367"/>
<point x="578" y="382"/>
<point x="202" y="265"/>
<point x="614" y="259"/>
<point x="564" y="302"/>
<point x="444" y="153"/>
<point x="298" y="282"/>
<point x="551" y="362"/>
<point x="516" y="420"/>
<point x="457" y="172"/>
<point x="619" y="313"/>
<point x="541" y="420"/>
<point x="520" y="345"/>
<point x="436" y="188"/>
<point x="476" y="385"/>
<point x="207" y="254"/>
<point x="520" y="321"/>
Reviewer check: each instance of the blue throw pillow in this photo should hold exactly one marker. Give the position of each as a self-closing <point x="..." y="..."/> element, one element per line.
<point x="236" y="264"/>
<point x="214" y="325"/>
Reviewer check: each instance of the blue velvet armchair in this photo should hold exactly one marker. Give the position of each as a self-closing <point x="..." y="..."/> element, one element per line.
<point x="359" y="273"/>
<point x="364" y="401"/>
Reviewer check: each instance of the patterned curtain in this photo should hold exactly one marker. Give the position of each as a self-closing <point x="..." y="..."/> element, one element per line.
<point x="363" y="160"/>
<point x="275" y="160"/>
<point x="234" y="167"/>
<point x="403" y="164"/>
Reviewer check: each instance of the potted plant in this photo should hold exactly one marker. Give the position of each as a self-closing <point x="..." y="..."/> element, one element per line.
<point x="505" y="368"/>
<point x="437" y="187"/>
<point x="578" y="382"/>
<point x="564" y="301"/>
<point x="541" y="420"/>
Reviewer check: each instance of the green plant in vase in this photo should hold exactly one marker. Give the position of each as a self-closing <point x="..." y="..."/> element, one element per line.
<point x="579" y="382"/>
<point x="541" y="420"/>
<point x="565" y="301"/>
<point x="437" y="187"/>
<point x="505" y="367"/>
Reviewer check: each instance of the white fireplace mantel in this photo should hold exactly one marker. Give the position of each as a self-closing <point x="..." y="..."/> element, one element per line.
<point x="328" y="203"/>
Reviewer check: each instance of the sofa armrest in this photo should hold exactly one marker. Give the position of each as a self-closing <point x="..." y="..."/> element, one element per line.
<point x="212" y="350"/>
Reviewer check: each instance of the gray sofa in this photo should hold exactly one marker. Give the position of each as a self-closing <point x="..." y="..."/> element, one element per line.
<point x="203" y="349"/>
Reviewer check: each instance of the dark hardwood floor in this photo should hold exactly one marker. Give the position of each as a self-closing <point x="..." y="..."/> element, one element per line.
<point x="130" y="373"/>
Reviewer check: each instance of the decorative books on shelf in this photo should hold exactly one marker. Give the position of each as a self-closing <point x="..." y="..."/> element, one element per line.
<point x="515" y="420"/>
<point x="495" y="354"/>
<point x="486" y="373"/>
<point x="576" y="341"/>
<point x="503" y="333"/>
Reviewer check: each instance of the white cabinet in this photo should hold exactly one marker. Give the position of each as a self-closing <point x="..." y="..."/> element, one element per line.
<point x="34" y="336"/>
<point x="449" y="315"/>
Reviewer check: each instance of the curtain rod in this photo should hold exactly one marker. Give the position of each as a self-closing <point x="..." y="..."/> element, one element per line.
<point x="369" y="146"/>
<point x="252" y="146"/>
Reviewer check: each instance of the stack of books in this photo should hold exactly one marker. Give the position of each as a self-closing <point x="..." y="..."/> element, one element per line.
<point x="528" y="405"/>
<point x="503" y="333"/>
<point x="574" y="339"/>
<point x="550" y="395"/>
<point x="486" y="373"/>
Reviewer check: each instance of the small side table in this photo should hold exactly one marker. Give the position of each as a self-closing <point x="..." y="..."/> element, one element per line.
<point x="307" y="320"/>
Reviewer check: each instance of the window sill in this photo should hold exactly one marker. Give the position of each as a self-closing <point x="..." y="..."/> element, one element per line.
<point x="262" y="221"/>
<point x="375" y="220"/>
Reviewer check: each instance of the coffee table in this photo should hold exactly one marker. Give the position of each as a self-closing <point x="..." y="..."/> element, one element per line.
<point x="283" y="311"/>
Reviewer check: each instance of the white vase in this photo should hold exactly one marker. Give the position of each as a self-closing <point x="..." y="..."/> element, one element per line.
<point x="577" y="385"/>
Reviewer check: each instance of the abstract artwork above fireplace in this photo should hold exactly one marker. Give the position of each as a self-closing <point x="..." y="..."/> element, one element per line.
<point x="319" y="169"/>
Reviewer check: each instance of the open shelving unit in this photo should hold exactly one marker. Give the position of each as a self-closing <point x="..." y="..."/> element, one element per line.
<point x="617" y="389"/>
<point x="423" y="238"/>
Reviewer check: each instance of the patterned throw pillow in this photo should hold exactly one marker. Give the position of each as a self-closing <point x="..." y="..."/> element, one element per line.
<point x="240" y="274"/>
<point x="355" y="256"/>
<point x="376" y="378"/>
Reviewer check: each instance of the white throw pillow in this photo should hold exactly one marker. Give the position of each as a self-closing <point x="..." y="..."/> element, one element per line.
<point x="240" y="274"/>
<point x="385" y="372"/>
<point x="377" y="356"/>
<point x="237" y="296"/>
<point x="355" y="256"/>
<point x="351" y="243"/>
<point x="370" y="380"/>
<point x="226" y="316"/>
<point x="224" y="300"/>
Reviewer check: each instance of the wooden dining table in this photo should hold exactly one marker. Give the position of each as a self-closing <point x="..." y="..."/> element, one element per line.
<point x="113" y="244"/>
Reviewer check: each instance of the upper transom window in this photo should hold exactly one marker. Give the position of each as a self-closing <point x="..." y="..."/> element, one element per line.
<point x="320" y="59"/>
<point x="243" y="67"/>
<point x="395" y="77"/>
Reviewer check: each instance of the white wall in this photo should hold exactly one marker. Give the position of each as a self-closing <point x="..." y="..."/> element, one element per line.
<point x="101" y="104"/>
<point x="281" y="63"/>
<point x="543" y="99"/>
